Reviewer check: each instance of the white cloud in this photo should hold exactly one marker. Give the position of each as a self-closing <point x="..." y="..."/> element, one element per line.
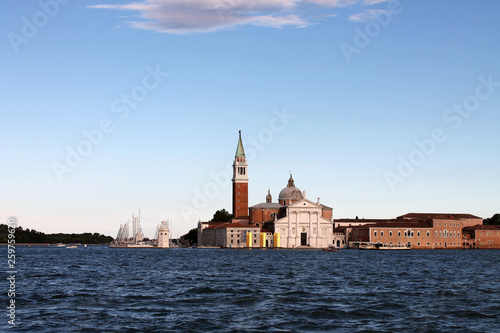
<point x="197" y="16"/>
<point x="191" y="16"/>
<point x="333" y="3"/>
<point x="367" y="15"/>
<point x="372" y="2"/>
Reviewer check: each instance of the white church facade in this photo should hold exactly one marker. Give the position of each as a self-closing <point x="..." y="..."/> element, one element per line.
<point x="303" y="225"/>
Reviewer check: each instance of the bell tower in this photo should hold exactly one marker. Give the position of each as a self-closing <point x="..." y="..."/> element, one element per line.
<point x="240" y="182"/>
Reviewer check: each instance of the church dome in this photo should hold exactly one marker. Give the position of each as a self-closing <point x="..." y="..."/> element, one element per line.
<point x="290" y="193"/>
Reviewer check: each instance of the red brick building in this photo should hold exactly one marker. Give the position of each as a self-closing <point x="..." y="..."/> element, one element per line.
<point x="482" y="237"/>
<point x="426" y="231"/>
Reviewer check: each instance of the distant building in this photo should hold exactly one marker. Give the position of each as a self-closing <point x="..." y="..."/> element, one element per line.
<point x="481" y="237"/>
<point x="229" y="234"/>
<point x="163" y="235"/>
<point x="295" y="221"/>
<point x="425" y="231"/>
<point x="292" y="222"/>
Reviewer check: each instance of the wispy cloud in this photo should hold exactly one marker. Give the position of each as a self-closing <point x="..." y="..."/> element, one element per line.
<point x="372" y="2"/>
<point x="367" y="15"/>
<point x="197" y="16"/>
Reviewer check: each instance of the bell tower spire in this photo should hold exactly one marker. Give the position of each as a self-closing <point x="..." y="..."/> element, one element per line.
<point x="240" y="182"/>
<point x="269" y="197"/>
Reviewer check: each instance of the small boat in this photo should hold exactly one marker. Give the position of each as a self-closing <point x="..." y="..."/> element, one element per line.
<point x="72" y="247"/>
<point x="331" y="249"/>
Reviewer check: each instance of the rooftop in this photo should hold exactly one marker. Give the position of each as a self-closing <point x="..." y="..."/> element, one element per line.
<point x="226" y="225"/>
<point x="483" y="227"/>
<point x="240" y="152"/>
<point x="449" y="216"/>
<point x="268" y="205"/>
<point x="398" y="224"/>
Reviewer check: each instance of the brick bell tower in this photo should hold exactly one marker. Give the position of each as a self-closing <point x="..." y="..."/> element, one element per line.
<point x="240" y="182"/>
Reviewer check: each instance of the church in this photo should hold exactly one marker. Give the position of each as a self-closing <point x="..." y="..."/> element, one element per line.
<point x="292" y="222"/>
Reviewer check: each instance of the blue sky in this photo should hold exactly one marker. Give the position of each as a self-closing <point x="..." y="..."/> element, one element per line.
<point x="377" y="107"/>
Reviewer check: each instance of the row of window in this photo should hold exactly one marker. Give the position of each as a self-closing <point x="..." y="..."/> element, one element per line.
<point x="447" y="234"/>
<point x="255" y="241"/>
<point x="429" y="244"/>
<point x="454" y="224"/>
<point x="409" y="233"/>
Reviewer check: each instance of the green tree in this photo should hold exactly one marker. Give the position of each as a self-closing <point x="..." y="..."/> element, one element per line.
<point x="33" y="236"/>
<point x="221" y="216"/>
<point x="191" y="237"/>
<point x="494" y="220"/>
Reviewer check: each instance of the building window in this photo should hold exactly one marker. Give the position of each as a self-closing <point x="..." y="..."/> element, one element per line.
<point x="435" y="233"/>
<point x="254" y="241"/>
<point x="458" y="234"/>
<point x="238" y="241"/>
<point x="418" y="235"/>
<point x="445" y="224"/>
<point x="381" y="234"/>
<point x="399" y="233"/>
<point x="231" y="241"/>
<point x="390" y="233"/>
<point x="418" y="243"/>
<point x="375" y="233"/>
<point x="428" y="235"/>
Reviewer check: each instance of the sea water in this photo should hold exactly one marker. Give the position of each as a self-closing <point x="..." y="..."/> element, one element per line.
<point x="101" y="289"/>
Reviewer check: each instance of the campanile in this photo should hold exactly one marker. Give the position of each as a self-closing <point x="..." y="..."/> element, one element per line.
<point x="240" y="182"/>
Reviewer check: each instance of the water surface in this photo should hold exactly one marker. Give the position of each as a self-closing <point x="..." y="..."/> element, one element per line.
<point x="100" y="289"/>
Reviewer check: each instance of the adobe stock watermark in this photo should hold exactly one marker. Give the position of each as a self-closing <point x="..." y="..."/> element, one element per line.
<point x="454" y="118"/>
<point x="252" y="144"/>
<point x="11" y="269"/>
<point x="31" y="26"/>
<point x="378" y="20"/>
<point x="95" y="136"/>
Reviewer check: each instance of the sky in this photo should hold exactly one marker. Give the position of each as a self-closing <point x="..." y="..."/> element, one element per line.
<point x="378" y="108"/>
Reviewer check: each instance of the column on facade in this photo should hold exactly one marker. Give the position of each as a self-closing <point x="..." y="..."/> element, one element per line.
<point x="289" y="233"/>
<point x="318" y="231"/>
<point x="310" y="229"/>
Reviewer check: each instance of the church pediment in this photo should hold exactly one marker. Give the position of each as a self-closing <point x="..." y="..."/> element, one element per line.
<point x="304" y="203"/>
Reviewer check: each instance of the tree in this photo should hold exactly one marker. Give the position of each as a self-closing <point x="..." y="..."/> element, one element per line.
<point x="221" y="216"/>
<point x="191" y="237"/>
<point x="494" y="220"/>
<point x="33" y="236"/>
